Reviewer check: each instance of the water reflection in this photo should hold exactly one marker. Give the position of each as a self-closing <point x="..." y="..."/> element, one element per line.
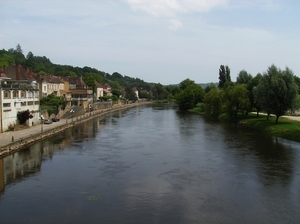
<point x="154" y="165"/>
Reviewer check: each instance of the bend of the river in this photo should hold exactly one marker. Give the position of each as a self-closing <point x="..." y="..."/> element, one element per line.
<point x="153" y="164"/>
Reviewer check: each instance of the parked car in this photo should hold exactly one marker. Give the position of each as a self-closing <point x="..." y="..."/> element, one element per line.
<point x="48" y="121"/>
<point x="55" y="119"/>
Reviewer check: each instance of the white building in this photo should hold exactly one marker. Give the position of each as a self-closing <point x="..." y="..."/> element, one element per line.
<point x="17" y="96"/>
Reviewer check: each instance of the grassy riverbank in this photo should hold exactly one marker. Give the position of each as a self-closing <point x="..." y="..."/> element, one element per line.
<point x="285" y="128"/>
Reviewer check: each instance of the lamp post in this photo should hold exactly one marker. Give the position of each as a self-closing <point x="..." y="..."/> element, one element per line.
<point x="42" y="120"/>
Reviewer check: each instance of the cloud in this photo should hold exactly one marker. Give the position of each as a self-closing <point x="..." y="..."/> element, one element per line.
<point x="168" y="8"/>
<point x="173" y="8"/>
<point x="175" y="24"/>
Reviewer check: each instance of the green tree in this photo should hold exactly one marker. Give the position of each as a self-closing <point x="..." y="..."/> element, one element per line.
<point x="224" y="76"/>
<point x="159" y="92"/>
<point x="6" y="59"/>
<point x="30" y="60"/>
<point x="277" y="91"/>
<point x="243" y="77"/>
<point x="237" y="100"/>
<point x="189" y="96"/>
<point x="213" y="102"/>
<point x="186" y="83"/>
<point x="52" y="103"/>
<point x="130" y="94"/>
<point x="251" y="86"/>
<point x="210" y="87"/>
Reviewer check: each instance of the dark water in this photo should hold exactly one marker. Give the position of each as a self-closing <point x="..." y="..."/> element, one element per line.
<point x="153" y="165"/>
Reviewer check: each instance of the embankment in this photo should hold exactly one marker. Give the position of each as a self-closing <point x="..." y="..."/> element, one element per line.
<point x="32" y="137"/>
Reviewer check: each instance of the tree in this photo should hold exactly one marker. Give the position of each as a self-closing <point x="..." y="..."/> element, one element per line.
<point x="210" y="87"/>
<point x="30" y="60"/>
<point x="237" y="100"/>
<point x="159" y="92"/>
<point x="213" y="102"/>
<point x="19" y="49"/>
<point x="130" y="94"/>
<point x="6" y="58"/>
<point x="243" y="77"/>
<point x="52" y="103"/>
<point x="189" y="96"/>
<point x="23" y="116"/>
<point x="185" y="83"/>
<point x="251" y="86"/>
<point x="277" y="92"/>
<point x="224" y="76"/>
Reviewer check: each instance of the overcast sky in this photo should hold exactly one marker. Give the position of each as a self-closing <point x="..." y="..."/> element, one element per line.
<point x="161" y="41"/>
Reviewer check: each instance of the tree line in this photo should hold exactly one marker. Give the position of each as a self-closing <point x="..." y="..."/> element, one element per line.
<point x="274" y="92"/>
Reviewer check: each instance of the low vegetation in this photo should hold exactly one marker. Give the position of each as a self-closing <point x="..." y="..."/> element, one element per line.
<point x="286" y="128"/>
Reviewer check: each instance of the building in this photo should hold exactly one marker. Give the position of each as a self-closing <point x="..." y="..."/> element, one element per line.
<point x="17" y="96"/>
<point x="81" y="94"/>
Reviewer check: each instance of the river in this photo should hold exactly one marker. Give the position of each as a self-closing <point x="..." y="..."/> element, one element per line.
<point x="153" y="164"/>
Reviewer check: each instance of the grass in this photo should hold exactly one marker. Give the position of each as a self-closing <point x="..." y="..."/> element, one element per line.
<point x="285" y="128"/>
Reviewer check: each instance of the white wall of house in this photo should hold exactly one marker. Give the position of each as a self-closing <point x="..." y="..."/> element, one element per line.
<point x="99" y="92"/>
<point x="14" y="101"/>
<point x="137" y="93"/>
<point x="44" y="89"/>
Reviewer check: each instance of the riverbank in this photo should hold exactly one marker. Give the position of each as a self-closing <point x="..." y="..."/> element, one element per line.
<point x="288" y="127"/>
<point x="16" y="140"/>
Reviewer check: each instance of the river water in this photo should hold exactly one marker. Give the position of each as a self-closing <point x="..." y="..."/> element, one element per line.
<point x="153" y="164"/>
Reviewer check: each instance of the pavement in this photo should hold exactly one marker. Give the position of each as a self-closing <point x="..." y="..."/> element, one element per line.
<point x="7" y="138"/>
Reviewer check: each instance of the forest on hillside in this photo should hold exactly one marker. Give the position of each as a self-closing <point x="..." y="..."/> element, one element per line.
<point x="43" y="65"/>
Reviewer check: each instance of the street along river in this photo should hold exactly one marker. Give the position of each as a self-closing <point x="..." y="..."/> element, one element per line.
<point x="153" y="164"/>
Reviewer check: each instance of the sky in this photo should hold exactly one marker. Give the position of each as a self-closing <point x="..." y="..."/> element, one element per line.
<point x="159" y="41"/>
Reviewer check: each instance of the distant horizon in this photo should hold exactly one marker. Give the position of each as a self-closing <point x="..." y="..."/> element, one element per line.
<point x="158" y="41"/>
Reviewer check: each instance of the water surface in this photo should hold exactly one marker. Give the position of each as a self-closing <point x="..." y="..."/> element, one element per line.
<point x="153" y="165"/>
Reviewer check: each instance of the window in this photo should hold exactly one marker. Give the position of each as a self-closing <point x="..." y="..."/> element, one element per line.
<point x="23" y="94"/>
<point x="30" y="94"/>
<point x="6" y="105"/>
<point x="45" y="88"/>
<point x="29" y="103"/>
<point x="16" y="94"/>
<point x="7" y="94"/>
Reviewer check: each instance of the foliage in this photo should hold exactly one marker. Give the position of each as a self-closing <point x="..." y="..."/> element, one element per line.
<point x="23" y="116"/>
<point x="144" y="95"/>
<point x="237" y="100"/>
<point x="18" y="55"/>
<point x="209" y="87"/>
<point x="6" y="58"/>
<point x="189" y="95"/>
<point x="104" y="98"/>
<point x="287" y="128"/>
<point x="185" y="83"/>
<point x="277" y="92"/>
<point x="213" y="102"/>
<point x="159" y="92"/>
<point x="43" y="66"/>
<point x="243" y="77"/>
<point x="116" y="92"/>
<point x="224" y="76"/>
<point x="130" y="94"/>
<point x="52" y="103"/>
